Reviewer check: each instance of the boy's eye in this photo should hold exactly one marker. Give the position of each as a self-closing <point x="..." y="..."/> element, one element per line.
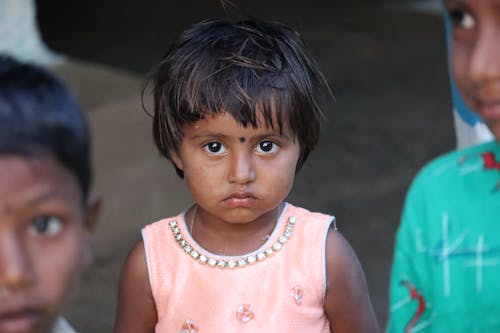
<point x="266" y="147"/>
<point x="215" y="147"/>
<point x="462" y="18"/>
<point x="45" y="225"/>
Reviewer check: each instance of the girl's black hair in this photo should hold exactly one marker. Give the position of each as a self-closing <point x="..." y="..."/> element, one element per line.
<point x="39" y="115"/>
<point x="243" y="68"/>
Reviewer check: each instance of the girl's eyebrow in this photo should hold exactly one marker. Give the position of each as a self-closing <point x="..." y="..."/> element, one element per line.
<point x="257" y="137"/>
<point x="205" y="135"/>
<point x="273" y="134"/>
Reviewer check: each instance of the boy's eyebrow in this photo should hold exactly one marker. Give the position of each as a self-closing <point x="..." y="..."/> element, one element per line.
<point x="48" y="195"/>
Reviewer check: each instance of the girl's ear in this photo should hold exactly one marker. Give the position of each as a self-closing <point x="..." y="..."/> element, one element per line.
<point x="176" y="160"/>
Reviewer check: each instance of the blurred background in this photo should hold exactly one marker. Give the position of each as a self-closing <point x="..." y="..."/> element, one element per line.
<point x="385" y="61"/>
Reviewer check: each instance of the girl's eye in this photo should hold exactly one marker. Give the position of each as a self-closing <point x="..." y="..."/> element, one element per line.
<point x="45" y="225"/>
<point x="462" y="19"/>
<point x="267" y="147"/>
<point x="215" y="148"/>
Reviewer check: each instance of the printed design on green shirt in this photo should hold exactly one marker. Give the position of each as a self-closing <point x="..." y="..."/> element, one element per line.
<point x="486" y="161"/>
<point x="414" y="295"/>
<point x="490" y="163"/>
<point x="448" y="247"/>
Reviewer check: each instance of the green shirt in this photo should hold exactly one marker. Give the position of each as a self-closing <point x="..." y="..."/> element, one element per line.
<point x="446" y="270"/>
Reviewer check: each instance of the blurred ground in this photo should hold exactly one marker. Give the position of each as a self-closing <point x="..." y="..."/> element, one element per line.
<point x="387" y="67"/>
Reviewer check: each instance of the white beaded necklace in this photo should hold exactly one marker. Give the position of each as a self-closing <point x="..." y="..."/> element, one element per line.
<point x="236" y="262"/>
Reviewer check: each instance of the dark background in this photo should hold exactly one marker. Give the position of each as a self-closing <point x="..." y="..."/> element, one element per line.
<point x="386" y="65"/>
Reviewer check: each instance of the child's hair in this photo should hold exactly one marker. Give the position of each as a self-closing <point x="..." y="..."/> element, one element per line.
<point x="39" y="116"/>
<point x="243" y="68"/>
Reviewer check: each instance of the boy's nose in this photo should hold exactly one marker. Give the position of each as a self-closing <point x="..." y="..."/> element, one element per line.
<point x="15" y="267"/>
<point x="485" y="60"/>
<point x="241" y="169"/>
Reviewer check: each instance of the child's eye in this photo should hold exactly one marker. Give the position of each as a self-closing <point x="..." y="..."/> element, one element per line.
<point x="267" y="147"/>
<point x="45" y="225"/>
<point x="215" y="148"/>
<point x="462" y="18"/>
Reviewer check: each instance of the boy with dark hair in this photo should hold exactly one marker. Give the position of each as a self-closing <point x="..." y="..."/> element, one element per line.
<point x="47" y="212"/>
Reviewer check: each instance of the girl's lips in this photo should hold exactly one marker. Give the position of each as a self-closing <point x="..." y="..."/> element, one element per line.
<point x="240" y="199"/>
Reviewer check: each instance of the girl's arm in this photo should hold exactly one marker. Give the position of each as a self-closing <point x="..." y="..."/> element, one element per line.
<point x="136" y="308"/>
<point x="347" y="301"/>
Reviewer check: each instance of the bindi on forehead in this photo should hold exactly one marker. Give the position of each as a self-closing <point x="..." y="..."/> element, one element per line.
<point x="242" y="139"/>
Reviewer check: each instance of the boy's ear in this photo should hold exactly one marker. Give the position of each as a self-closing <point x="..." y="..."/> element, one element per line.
<point x="93" y="213"/>
<point x="92" y="216"/>
<point x="174" y="156"/>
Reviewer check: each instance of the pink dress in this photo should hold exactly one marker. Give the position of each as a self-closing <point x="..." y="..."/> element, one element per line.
<point x="280" y="287"/>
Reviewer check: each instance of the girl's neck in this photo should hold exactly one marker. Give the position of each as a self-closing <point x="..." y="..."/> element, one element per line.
<point x="230" y="239"/>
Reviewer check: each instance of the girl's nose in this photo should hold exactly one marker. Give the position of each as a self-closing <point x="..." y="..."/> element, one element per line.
<point x="485" y="60"/>
<point x="15" y="264"/>
<point x="241" y="168"/>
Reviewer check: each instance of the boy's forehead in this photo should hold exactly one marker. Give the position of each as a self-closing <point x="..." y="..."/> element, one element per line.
<point x="36" y="178"/>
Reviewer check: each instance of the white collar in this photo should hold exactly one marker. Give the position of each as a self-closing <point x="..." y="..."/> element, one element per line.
<point x="62" y="326"/>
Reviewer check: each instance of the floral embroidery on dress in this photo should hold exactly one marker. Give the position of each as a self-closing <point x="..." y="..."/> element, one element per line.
<point x="189" y="326"/>
<point x="297" y="293"/>
<point x="244" y="313"/>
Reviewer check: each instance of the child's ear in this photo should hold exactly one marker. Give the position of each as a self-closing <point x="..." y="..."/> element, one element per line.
<point x="174" y="156"/>
<point x="93" y="211"/>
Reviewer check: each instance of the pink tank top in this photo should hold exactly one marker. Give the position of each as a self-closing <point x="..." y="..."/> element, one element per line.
<point x="280" y="287"/>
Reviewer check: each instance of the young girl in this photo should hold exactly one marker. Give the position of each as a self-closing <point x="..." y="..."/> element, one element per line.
<point x="235" y="111"/>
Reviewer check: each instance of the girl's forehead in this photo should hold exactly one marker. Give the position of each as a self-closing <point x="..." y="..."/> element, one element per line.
<point x="227" y="122"/>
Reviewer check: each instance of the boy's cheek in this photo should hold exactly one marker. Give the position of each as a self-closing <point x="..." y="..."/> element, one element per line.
<point x="86" y="255"/>
<point x="58" y="273"/>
